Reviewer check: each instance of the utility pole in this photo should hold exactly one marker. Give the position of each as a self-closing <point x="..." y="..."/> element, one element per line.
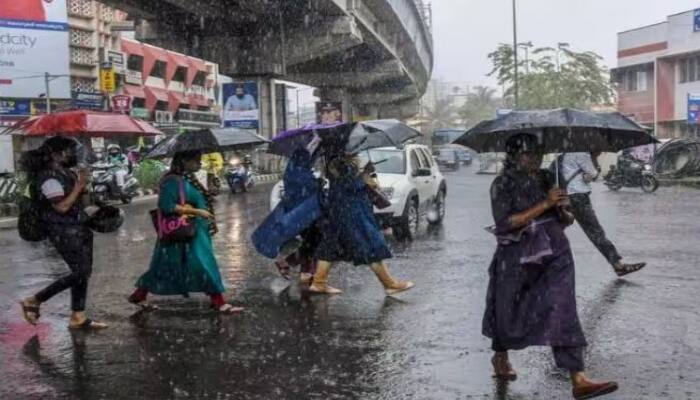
<point x="47" y="81"/>
<point x="515" y="55"/>
<point x="298" y="110"/>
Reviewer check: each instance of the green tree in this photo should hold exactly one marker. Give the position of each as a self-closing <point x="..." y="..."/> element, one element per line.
<point x="481" y="104"/>
<point x="441" y="115"/>
<point x="553" y="77"/>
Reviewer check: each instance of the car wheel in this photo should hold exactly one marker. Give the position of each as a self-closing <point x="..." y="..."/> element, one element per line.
<point x="407" y="226"/>
<point x="649" y="184"/>
<point x="439" y="208"/>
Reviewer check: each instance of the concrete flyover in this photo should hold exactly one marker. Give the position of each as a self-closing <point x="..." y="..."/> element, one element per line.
<point x="374" y="55"/>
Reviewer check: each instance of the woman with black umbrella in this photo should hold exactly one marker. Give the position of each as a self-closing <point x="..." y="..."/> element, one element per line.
<point x="531" y="298"/>
<point x="180" y="268"/>
<point x="349" y="229"/>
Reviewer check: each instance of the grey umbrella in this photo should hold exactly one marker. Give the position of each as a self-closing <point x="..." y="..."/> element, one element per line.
<point x="559" y="130"/>
<point x="236" y="138"/>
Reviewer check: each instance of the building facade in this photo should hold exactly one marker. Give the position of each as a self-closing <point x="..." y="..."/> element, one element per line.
<point x="658" y="75"/>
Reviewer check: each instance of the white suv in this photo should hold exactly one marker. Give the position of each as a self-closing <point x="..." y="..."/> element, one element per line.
<point x="412" y="181"/>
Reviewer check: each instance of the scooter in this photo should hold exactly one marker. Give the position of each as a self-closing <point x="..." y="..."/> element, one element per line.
<point x="104" y="185"/>
<point x="238" y="179"/>
<point x="635" y="174"/>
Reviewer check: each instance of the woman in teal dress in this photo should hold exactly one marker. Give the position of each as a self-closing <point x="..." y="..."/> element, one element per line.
<point x="183" y="268"/>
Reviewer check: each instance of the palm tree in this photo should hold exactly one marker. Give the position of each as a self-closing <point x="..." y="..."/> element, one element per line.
<point x="441" y="115"/>
<point x="481" y="104"/>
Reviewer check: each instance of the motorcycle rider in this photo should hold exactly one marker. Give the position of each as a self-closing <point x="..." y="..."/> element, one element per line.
<point x="577" y="171"/>
<point x="119" y="164"/>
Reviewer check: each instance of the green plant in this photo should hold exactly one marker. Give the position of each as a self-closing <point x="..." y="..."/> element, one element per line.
<point x="149" y="172"/>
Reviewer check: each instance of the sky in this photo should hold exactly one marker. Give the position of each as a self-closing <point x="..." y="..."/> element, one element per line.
<point x="465" y="31"/>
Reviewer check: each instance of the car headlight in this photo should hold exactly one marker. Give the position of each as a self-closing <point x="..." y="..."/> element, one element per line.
<point x="388" y="192"/>
<point x="647" y="167"/>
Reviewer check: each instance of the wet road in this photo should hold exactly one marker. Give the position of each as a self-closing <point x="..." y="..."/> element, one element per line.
<point x="643" y="332"/>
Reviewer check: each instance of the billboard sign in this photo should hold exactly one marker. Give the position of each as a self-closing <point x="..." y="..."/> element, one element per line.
<point x="15" y="107"/>
<point x="241" y="105"/>
<point x="88" y="100"/>
<point x="329" y="112"/>
<point x="108" y="80"/>
<point x="117" y="59"/>
<point x="31" y="32"/>
<point x="693" y="109"/>
<point x="121" y="103"/>
<point x="696" y="20"/>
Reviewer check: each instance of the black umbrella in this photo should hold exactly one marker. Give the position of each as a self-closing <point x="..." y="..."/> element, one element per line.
<point x="206" y="141"/>
<point x="380" y="133"/>
<point x="560" y="130"/>
<point x="352" y="138"/>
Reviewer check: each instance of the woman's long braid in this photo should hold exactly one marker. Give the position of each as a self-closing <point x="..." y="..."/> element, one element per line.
<point x="213" y="229"/>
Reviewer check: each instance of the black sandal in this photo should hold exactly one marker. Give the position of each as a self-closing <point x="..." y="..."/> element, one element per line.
<point x="30" y="309"/>
<point x="87" y="325"/>
<point x="143" y="304"/>
<point x="624" y="269"/>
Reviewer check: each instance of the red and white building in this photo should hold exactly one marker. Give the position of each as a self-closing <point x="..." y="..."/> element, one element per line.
<point x="658" y="71"/>
<point x="170" y="85"/>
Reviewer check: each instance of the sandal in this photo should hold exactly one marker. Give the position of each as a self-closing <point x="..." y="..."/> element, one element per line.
<point x="283" y="268"/>
<point x="87" y="325"/>
<point x="27" y="310"/>
<point x="502" y="368"/>
<point x="624" y="269"/>
<point x="143" y="304"/>
<point x="228" y="309"/>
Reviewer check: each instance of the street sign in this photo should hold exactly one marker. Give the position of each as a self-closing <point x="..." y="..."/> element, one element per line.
<point x="88" y="100"/>
<point x="116" y="58"/>
<point x="108" y="80"/>
<point x="15" y="107"/>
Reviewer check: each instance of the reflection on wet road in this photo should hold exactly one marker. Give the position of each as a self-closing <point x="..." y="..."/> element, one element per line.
<point x="426" y="344"/>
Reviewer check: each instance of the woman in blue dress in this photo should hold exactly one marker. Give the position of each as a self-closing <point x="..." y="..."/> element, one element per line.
<point x="349" y="231"/>
<point x="531" y="299"/>
<point x="183" y="268"/>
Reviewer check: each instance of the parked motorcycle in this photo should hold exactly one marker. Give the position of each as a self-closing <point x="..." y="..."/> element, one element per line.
<point x="104" y="185"/>
<point x="633" y="174"/>
<point x="239" y="178"/>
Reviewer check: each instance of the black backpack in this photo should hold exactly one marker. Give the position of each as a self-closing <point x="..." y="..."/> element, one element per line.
<point x="30" y="224"/>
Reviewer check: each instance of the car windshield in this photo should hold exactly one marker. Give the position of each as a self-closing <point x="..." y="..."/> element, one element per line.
<point x="395" y="160"/>
<point x="446" y="155"/>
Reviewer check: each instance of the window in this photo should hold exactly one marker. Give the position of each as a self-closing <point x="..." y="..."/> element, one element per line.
<point x="180" y="74"/>
<point x="387" y="161"/>
<point x="423" y="159"/>
<point x="689" y="69"/>
<point x="158" y="70"/>
<point x="134" y="63"/>
<point x="635" y="80"/>
<point x="415" y="163"/>
<point x="642" y="79"/>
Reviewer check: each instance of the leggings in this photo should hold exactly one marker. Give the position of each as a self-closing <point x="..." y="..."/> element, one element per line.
<point x="569" y="358"/>
<point x="74" y="243"/>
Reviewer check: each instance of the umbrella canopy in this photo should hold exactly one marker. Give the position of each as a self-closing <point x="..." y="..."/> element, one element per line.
<point x="559" y="130"/>
<point x="352" y="138"/>
<point x="206" y="141"/>
<point x="84" y="123"/>
<point x="235" y="138"/>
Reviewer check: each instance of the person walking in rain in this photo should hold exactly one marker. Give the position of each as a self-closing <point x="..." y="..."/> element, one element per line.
<point x="59" y="190"/>
<point x="182" y="268"/>
<point x="531" y="299"/>
<point x="349" y="231"/>
<point x="579" y="170"/>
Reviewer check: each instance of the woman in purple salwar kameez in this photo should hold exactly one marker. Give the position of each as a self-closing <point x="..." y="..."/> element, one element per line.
<point x="531" y="298"/>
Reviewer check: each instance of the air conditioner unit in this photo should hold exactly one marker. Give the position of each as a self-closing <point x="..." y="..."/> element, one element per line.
<point x="164" y="117"/>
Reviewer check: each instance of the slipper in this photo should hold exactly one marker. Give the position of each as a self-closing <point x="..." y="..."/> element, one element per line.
<point x="228" y="309"/>
<point x="26" y="310"/>
<point x="87" y="325"/>
<point x="595" y="390"/>
<point x="283" y="268"/>
<point x="143" y="304"/>
<point x="624" y="269"/>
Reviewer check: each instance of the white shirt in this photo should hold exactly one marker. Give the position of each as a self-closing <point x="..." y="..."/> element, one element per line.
<point x="571" y="164"/>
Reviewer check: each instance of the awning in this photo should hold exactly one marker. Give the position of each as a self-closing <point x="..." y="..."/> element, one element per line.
<point x="154" y="95"/>
<point x="134" y="91"/>
<point x="132" y="48"/>
<point x="176" y="98"/>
